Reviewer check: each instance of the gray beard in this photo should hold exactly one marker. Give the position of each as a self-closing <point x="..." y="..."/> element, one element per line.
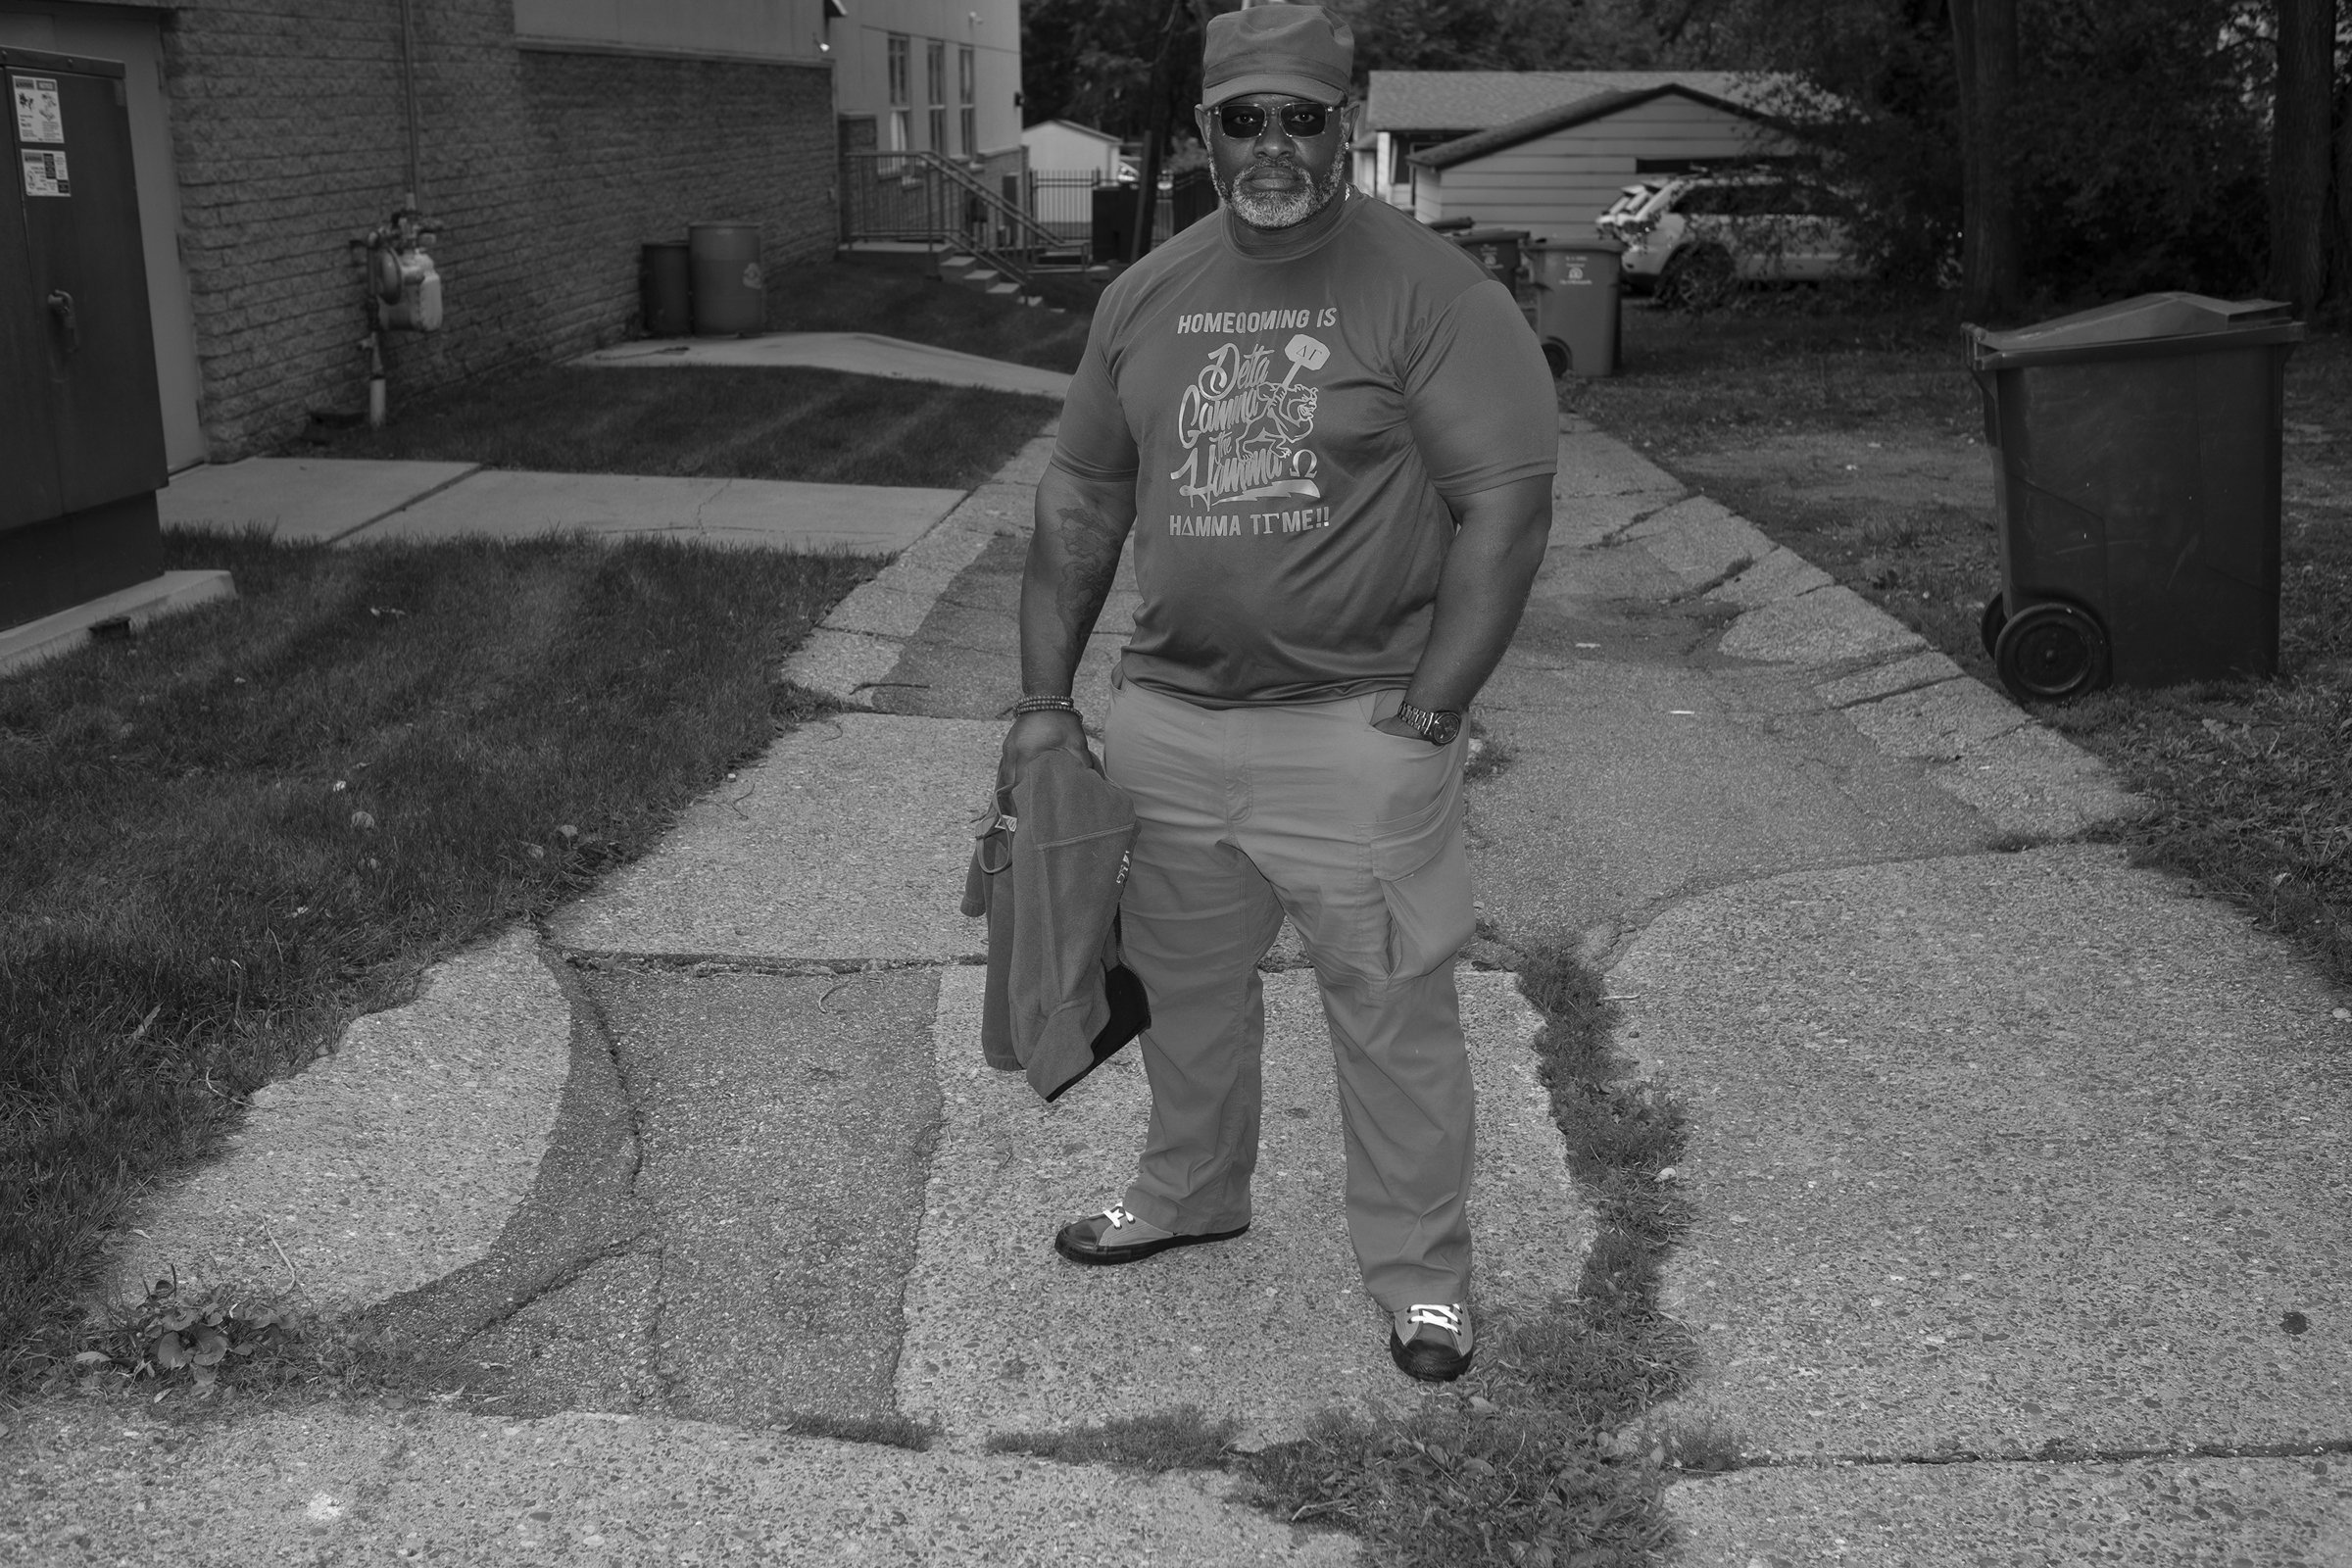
<point x="1285" y="212"/>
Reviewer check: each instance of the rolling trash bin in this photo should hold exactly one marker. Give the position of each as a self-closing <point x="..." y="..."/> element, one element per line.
<point x="1578" y="288"/>
<point x="730" y="292"/>
<point x="2135" y="453"/>
<point x="1499" y="251"/>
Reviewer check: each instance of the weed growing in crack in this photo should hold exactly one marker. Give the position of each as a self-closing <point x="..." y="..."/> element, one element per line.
<point x="1540" y="1460"/>
<point x="1180" y="1438"/>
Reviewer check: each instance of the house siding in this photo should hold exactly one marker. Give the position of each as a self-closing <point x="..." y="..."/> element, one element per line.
<point x="1556" y="184"/>
<point x="544" y="173"/>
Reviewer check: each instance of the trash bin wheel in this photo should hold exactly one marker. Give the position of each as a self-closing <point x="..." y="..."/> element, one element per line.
<point x="2049" y="652"/>
<point x="1991" y="622"/>
<point x="1556" y="355"/>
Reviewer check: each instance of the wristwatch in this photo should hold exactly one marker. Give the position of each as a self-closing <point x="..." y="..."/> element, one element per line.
<point x="1438" y="726"/>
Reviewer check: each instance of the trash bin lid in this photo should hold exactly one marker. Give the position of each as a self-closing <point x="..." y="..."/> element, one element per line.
<point x="2149" y="322"/>
<point x="1601" y="246"/>
<point x="1477" y="236"/>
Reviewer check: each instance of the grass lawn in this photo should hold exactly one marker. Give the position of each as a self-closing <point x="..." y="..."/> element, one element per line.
<point x="818" y="425"/>
<point x="1857" y="440"/>
<point x="894" y="293"/>
<point x="254" y="822"/>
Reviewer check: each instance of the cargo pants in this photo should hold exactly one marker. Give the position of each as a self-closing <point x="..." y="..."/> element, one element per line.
<point x="1247" y="814"/>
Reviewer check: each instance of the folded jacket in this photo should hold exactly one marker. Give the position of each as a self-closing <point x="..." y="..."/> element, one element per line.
<point x="1059" y="1002"/>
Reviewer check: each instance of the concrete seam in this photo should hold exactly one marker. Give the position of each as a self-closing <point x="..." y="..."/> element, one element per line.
<point x="2062" y="1456"/>
<point x="709" y="963"/>
<point x="1617" y="534"/>
<point x="454" y="480"/>
<point x="1899" y="691"/>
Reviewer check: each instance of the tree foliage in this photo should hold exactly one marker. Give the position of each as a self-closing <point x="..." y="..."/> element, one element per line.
<point x="1091" y="60"/>
<point x="2135" y="147"/>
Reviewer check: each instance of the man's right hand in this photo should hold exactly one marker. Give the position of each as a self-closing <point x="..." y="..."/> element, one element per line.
<point x="1032" y="736"/>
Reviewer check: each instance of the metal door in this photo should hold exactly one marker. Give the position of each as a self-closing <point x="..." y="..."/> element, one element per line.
<point x="28" y="486"/>
<point x="89" y="279"/>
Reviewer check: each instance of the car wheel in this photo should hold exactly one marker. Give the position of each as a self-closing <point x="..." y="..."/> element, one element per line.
<point x="1698" y="278"/>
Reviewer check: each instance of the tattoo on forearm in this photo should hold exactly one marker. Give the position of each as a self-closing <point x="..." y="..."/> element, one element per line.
<point x="1090" y="544"/>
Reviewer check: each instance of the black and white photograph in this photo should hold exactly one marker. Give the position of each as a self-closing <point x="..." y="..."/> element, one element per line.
<point x="1204" y="783"/>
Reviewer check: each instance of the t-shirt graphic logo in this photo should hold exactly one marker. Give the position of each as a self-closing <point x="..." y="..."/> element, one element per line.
<point x="1244" y="431"/>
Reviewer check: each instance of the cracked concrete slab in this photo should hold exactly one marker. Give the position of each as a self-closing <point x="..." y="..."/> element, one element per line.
<point x="586" y="1345"/>
<point x="1999" y="1152"/>
<point x="361" y="1482"/>
<point x="763" y="514"/>
<point x="581" y="1211"/>
<point x="1004" y="1336"/>
<point x="2052" y="1515"/>
<point x="786" y="1122"/>
<point x="298" y="500"/>
<point x="1824" y="628"/>
<point x="1886" y="680"/>
<point x="848" y="840"/>
<point x="2036" y="784"/>
<point x="965" y="663"/>
<point x="1780" y="574"/>
<point x="851" y="658"/>
<point x="1940" y="722"/>
<point x="1633" y="783"/>
<point x="1596" y="465"/>
<point x="1699" y="539"/>
<point x="396" y="1158"/>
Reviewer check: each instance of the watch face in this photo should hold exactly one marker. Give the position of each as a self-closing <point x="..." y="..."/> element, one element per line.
<point x="1442" y="728"/>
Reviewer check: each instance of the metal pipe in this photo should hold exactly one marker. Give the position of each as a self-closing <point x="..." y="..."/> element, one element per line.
<point x="408" y="84"/>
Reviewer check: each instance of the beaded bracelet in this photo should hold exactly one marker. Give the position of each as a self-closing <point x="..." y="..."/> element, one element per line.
<point x="1045" y="703"/>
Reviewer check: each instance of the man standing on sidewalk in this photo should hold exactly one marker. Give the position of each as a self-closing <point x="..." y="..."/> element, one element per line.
<point x="1332" y="438"/>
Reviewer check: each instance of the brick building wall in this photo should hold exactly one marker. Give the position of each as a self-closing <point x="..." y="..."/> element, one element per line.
<point x="544" y="172"/>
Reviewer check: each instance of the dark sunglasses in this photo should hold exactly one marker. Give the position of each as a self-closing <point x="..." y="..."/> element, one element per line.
<point x="1248" y="122"/>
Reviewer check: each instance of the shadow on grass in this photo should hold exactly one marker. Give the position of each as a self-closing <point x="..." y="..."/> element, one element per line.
<point x="898" y="295"/>
<point x="232" y="835"/>
<point x="709" y="421"/>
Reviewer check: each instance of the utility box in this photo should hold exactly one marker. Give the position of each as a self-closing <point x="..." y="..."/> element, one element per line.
<point x="81" y="431"/>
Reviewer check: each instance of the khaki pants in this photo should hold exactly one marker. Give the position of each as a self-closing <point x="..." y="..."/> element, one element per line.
<point x="1245" y="813"/>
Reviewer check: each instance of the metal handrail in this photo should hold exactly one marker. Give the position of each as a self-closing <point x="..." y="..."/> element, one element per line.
<point x="922" y="196"/>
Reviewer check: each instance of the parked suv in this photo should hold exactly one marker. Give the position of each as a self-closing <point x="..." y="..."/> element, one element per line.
<point x="1688" y="238"/>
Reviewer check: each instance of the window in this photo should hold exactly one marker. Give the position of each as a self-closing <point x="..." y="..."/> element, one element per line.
<point x="902" y="119"/>
<point x="935" y="92"/>
<point x="967" y="115"/>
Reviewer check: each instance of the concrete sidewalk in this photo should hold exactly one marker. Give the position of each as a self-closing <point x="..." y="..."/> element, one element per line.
<point x="2019" y="1172"/>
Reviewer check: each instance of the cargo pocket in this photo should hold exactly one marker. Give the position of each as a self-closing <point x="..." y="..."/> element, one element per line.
<point x="1423" y="876"/>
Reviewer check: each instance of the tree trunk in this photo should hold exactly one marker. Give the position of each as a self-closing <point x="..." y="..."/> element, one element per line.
<point x="2341" y="289"/>
<point x="2299" y="150"/>
<point x="1985" y="44"/>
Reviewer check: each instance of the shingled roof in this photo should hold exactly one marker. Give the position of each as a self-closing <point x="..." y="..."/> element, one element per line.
<point x="1477" y="100"/>
<point x="1543" y="122"/>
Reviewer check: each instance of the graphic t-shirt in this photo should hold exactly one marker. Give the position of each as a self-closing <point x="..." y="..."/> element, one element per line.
<point x="1294" y="424"/>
